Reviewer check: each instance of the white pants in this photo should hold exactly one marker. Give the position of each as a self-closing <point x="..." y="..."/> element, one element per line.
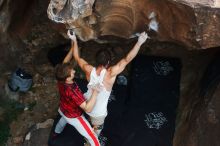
<point x="81" y="125"/>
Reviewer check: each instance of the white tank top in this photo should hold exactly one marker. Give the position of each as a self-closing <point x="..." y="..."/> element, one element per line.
<point x="100" y="108"/>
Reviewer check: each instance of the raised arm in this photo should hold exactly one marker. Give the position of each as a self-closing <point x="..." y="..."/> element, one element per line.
<point x="69" y="56"/>
<point x="120" y="66"/>
<point x="87" y="68"/>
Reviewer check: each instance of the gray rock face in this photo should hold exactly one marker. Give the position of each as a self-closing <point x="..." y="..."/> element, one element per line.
<point x="67" y="11"/>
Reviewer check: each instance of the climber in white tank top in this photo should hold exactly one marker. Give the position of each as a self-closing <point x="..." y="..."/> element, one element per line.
<point x="99" y="112"/>
<point x="96" y="82"/>
<point x="102" y="77"/>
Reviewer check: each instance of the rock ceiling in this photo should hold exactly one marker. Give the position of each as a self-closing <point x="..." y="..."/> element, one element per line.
<point x="193" y="23"/>
<point x="199" y="3"/>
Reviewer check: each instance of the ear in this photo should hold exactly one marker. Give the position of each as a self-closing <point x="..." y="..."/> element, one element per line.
<point x="107" y="65"/>
<point x="67" y="79"/>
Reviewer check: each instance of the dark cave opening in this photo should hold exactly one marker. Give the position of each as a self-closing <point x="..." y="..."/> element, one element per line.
<point x="57" y="54"/>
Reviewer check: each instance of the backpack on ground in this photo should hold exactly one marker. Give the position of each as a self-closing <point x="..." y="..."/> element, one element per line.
<point x="20" y="80"/>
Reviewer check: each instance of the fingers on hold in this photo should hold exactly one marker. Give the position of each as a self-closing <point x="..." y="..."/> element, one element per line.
<point x="70" y="32"/>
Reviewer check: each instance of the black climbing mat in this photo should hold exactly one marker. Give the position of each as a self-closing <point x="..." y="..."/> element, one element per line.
<point x="155" y="81"/>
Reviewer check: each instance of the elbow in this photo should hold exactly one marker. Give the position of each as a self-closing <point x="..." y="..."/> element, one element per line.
<point x="88" y="110"/>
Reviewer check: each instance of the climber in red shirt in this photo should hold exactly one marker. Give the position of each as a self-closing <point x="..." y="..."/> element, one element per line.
<point x="73" y="103"/>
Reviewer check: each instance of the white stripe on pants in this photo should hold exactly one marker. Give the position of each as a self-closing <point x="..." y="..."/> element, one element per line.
<point x="81" y="125"/>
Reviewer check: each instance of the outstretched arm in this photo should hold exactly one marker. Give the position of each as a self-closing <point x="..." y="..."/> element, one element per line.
<point x="82" y="63"/>
<point x="120" y="66"/>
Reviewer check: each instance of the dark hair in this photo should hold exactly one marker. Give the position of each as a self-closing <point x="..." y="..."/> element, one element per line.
<point x="103" y="57"/>
<point x="63" y="71"/>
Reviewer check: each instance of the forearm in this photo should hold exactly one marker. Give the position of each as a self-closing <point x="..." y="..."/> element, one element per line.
<point x="80" y="61"/>
<point x="134" y="51"/>
<point x="75" y="50"/>
<point x="141" y="39"/>
<point x="91" y="102"/>
<point x="68" y="56"/>
<point x="120" y="66"/>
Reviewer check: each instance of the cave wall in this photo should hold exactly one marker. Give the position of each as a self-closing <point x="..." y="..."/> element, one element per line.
<point x="25" y="31"/>
<point x="198" y="116"/>
<point x="13" y="16"/>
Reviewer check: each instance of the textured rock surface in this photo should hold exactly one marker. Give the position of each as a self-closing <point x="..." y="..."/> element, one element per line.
<point x="198" y="3"/>
<point x="201" y="124"/>
<point x="26" y="35"/>
<point x="192" y="23"/>
<point x="208" y="22"/>
<point x="67" y="11"/>
<point x="24" y="27"/>
<point x="198" y="123"/>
